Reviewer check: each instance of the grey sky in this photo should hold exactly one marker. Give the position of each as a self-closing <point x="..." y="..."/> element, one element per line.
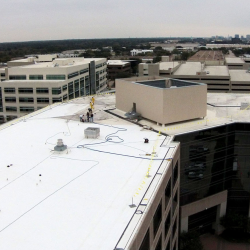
<point x="26" y="20"/>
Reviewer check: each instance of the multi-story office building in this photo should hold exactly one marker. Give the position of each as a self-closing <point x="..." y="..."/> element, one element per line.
<point x="35" y="85"/>
<point x="135" y="52"/>
<point x="118" y="69"/>
<point x="231" y="77"/>
<point x="116" y="191"/>
<point x="133" y="185"/>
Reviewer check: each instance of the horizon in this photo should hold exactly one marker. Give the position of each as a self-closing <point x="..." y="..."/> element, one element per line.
<point x="64" y="19"/>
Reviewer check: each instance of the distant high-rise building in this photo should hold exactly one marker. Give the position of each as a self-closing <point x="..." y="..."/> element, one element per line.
<point x="248" y="37"/>
<point x="237" y="36"/>
<point x="242" y="37"/>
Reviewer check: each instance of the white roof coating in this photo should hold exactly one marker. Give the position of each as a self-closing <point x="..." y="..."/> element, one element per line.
<point x="79" y="198"/>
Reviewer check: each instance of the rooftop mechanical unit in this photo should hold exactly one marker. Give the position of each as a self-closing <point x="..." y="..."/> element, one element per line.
<point x="92" y="132"/>
<point x="245" y="106"/>
<point x="60" y="146"/>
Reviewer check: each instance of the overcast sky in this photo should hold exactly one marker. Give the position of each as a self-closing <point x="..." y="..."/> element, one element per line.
<point x="29" y="20"/>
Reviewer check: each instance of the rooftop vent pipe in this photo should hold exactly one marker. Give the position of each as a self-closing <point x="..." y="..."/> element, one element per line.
<point x="60" y="146"/>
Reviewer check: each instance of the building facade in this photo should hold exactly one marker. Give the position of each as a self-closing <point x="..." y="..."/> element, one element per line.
<point x="118" y="69"/>
<point x="221" y="156"/>
<point x="32" y="87"/>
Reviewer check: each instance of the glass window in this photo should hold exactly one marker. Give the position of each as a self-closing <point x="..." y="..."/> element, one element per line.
<point x="98" y="66"/>
<point x="65" y="97"/>
<point x="9" y="90"/>
<point x="74" y="74"/>
<point x="2" y="74"/>
<point x="145" y="243"/>
<point x="56" y="91"/>
<point x="57" y="99"/>
<point x="175" y="173"/>
<point x="175" y="201"/>
<point x="25" y="90"/>
<point x="167" y="224"/>
<point x="76" y="83"/>
<point x="36" y="77"/>
<point x="168" y="245"/>
<point x="86" y="81"/>
<point x="167" y="193"/>
<point x="65" y="87"/>
<point x="84" y="71"/>
<point x="26" y="109"/>
<point x="10" y="117"/>
<point x="82" y="91"/>
<point x="17" y="77"/>
<point x="77" y="93"/>
<point x="174" y="226"/>
<point x="10" y="99"/>
<point x="55" y="77"/>
<point x="157" y="218"/>
<point x="71" y="96"/>
<point x="26" y="99"/>
<point x="159" y="244"/>
<point x="11" y="109"/>
<point x="43" y="100"/>
<point x="70" y="88"/>
<point x="42" y="90"/>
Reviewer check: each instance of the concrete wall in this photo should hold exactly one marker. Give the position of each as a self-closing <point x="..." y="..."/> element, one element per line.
<point x="184" y="103"/>
<point x="149" y="100"/>
<point x="219" y="199"/>
<point x="147" y="221"/>
<point x="153" y="69"/>
<point x="162" y="105"/>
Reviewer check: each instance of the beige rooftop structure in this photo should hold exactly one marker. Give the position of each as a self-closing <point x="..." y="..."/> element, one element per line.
<point x="162" y="100"/>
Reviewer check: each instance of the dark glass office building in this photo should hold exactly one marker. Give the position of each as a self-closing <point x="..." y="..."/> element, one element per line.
<point x="214" y="160"/>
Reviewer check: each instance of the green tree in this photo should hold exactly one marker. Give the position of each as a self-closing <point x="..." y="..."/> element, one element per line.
<point x="234" y="221"/>
<point x="190" y="241"/>
<point x="156" y="59"/>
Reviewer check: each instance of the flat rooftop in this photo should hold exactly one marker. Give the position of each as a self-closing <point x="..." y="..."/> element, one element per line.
<point x="188" y="68"/>
<point x="207" y="55"/>
<point x="222" y="108"/>
<point x="191" y="68"/>
<point x="76" y="61"/>
<point x="184" y="45"/>
<point x="79" y="198"/>
<point x="234" y="60"/>
<point x="162" y="83"/>
<point x="168" y="65"/>
<point x="239" y="75"/>
<point x="117" y="62"/>
<point x="217" y="70"/>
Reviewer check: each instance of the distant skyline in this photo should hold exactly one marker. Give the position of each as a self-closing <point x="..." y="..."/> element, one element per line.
<point x="30" y="20"/>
